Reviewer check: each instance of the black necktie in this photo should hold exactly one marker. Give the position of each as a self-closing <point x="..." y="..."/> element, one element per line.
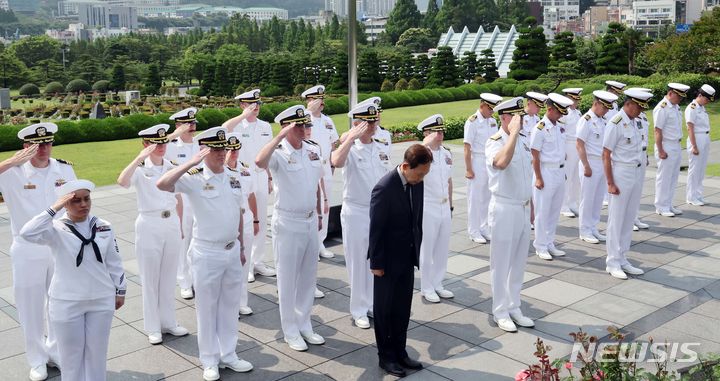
<point x="85" y="241"/>
<point x="408" y="193"/>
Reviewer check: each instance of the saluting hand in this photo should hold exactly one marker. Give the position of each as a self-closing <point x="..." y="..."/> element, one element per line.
<point x="286" y="130"/>
<point x="22" y="156"/>
<point x="357" y="131"/>
<point x="314" y="105"/>
<point x="146" y="152"/>
<point x="249" y="110"/>
<point x="62" y="201"/>
<point x="183" y="128"/>
<point x="198" y="157"/>
<point x="515" y="124"/>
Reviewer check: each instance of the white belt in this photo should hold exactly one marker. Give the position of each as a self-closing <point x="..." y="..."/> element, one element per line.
<point x="668" y="140"/>
<point x="629" y="165"/>
<point x="294" y="214"/>
<point x="701" y="132"/>
<point x="511" y="201"/>
<point x="214" y="244"/>
<point x="437" y="200"/>
<point x="159" y="213"/>
<point x="596" y="157"/>
<point x="552" y="164"/>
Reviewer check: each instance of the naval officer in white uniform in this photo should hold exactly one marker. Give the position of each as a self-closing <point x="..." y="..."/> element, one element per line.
<point x="698" y="143"/>
<point x="572" y="182"/>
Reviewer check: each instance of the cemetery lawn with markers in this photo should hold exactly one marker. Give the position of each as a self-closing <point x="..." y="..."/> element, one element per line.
<point x="102" y="162"/>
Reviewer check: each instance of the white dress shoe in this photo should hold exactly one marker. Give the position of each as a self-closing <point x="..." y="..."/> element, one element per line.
<point x="312" y="338"/>
<point x="568" y="213"/>
<point x="296" y="343"/>
<point x="600" y="237"/>
<point x="177" y="331"/>
<point x="187" y="293"/>
<point x="444" y="294"/>
<point x="155" y="338"/>
<point x="636" y="228"/>
<point x="245" y="310"/>
<point x="522" y="320"/>
<point x="676" y="211"/>
<point x="38" y="373"/>
<point x="506" y="324"/>
<point x="616" y="273"/>
<point x="640" y="225"/>
<point x="325" y="253"/>
<point x="240" y="366"/>
<point x="264" y="270"/>
<point x="251" y="277"/>
<point x="479" y="239"/>
<point x="319" y="294"/>
<point x="630" y="269"/>
<point x="665" y="213"/>
<point x="696" y="202"/>
<point x="544" y="254"/>
<point x="555" y="252"/>
<point x="431" y="297"/>
<point x="362" y="322"/>
<point x="589" y="239"/>
<point x="211" y="373"/>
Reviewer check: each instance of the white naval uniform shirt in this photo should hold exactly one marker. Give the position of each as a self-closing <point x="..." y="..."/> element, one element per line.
<point x="547" y="138"/>
<point x="296" y="174"/>
<point x="569" y="123"/>
<point x="149" y="197"/>
<point x="437" y="187"/>
<point x="180" y="152"/>
<point x="668" y="118"/>
<point x="247" y="180"/>
<point x="613" y="111"/>
<point x="325" y="135"/>
<point x="644" y="128"/>
<point x="384" y="137"/>
<point x="529" y="121"/>
<point x="253" y="136"/>
<point x="591" y="130"/>
<point x="696" y="114"/>
<point x="365" y="165"/>
<point x="623" y="139"/>
<point x="91" y="279"/>
<point x="28" y="190"/>
<point x="515" y="181"/>
<point x="216" y="199"/>
<point x="476" y="132"/>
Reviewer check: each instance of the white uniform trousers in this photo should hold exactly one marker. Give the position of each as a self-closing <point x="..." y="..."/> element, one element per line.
<point x="696" y="166"/>
<point x="572" y="184"/>
<point x="510" y="222"/>
<point x="478" y="198"/>
<point x="158" y="248"/>
<point x="184" y="275"/>
<point x="667" y="175"/>
<point x="322" y="234"/>
<point x="435" y="245"/>
<point x="217" y="272"/>
<point x="33" y="267"/>
<point x="248" y="241"/>
<point x="621" y="213"/>
<point x="83" y="332"/>
<point x="548" y="202"/>
<point x="592" y="192"/>
<point x="643" y="168"/>
<point x="261" y="197"/>
<point x="356" y="239"/>
<point x="295" y="243"/>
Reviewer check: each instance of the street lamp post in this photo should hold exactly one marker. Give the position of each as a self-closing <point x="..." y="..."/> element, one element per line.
<point x="352" y="52"/>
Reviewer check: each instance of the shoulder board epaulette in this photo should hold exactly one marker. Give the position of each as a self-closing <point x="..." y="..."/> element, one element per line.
<point x="693" y="105"/>
<point x="617" y="119"/>
<point x="174" y="140"/>
<point x="61" y="161"/>
<point x="473" y="117"/>
<point x="142" y="163"/>
<point x="497" y="136"/>
<point x="231" y="169"/>
<point x="173" y="162"/>
<point x="244" y="165"/>
<point x="663" y="104"/>
<point x="446" y="148"/>
<point x="382" y="128"/>
<point x="540" y="125"/>
<point x="587" y="117"/>
<point x="195" y="171"/>
<point x="308" y="141"/>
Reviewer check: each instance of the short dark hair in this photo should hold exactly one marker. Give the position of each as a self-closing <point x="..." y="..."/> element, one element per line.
<point x="417" y="155"/>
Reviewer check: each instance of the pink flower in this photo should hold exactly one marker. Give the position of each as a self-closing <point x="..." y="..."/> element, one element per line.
<point x="522" y="375"/>
<point x="600" y="375"/>
<point x="568" y="365"/>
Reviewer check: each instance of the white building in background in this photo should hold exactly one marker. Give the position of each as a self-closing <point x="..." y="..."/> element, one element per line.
<point x="107" y="16"/>
<point x="651" y="15"/>
<point x="695" y="8"/>
<point x="374" y="26"/>
<point x="555" y="11"/>
<point x="4" y="5"/>
<point x="501" y="43"/>
<point x="371" y="8"/>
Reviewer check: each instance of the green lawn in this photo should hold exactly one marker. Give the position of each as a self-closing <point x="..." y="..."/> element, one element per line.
<point x="101" y="162"/>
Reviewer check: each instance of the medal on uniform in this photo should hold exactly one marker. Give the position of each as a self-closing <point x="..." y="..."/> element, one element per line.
<point x="313" y="156"/>
<point x="59" y="182"/>
<point x="383" y="156"/>
<point x="448" y="160"/>
<point x="208" y="187"/>
<point x="328" y="126"/>
<point x="234" y="183"/>
<point x="29" y="186"/>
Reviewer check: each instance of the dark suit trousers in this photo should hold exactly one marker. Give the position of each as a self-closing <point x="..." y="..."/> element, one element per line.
<point x="392" y="298"/>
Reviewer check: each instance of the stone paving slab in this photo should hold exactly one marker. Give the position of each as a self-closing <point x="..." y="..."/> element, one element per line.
<point x="678" y="299"/>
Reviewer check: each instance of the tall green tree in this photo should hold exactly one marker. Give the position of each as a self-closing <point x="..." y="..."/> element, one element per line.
<point x="417" y="39"/>
<point x="153" y="82"/>
<point x="430" y="19"/>
<point x="33" y="49"/>
<point x="530" y="58"/>
<point x="458" y="14"/>
<point x="422" y="68"/>
<point x="487" y="67"/>
<point x="13" y="70"/>
<point x="340" y="74"/>
<point x="405" y="15"/>
<point x="117" y="78"/>
<point x="613" y="57"/>
<point x="444" y="71"/>
<point x="469" y="66"/>
<point x="563" y="48"/>
<point x="487" y="14"/>
<point x="369" y="78"/>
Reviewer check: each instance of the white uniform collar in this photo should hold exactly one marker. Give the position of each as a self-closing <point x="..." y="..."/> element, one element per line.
<point x="288" y="149"/>
<point x="207" y="174"/>
<point x="548" y="123"/>
<point x="30" y="170"/>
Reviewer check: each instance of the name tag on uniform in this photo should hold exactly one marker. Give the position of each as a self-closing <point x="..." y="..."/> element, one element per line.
<point x="181" y="155"/>
<point x="263" y="134"/>
<point x="245" y="135"/>
<point x="383" y="156"/>
<point x="103" y="228"/>
<point x="29" y="186"/>
<point x="208" y="187"/>
<point x="329" y="126"/>
<point x="245" y="172"/>
<point x="313" y="156"/>
<point x="59" y="182"/>
<point x="234" y="183"/>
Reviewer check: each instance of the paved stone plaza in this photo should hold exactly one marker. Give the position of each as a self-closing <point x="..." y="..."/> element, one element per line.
<point x="676" y="300"/>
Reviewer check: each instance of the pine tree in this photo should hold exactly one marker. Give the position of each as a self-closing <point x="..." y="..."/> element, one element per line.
<point x="430" y="19"/>
<point x="422" y="68"/>
<point x="340" y="74"/>
<point x="117" y="81"/>
<point x="208" y="78"/>
<point x="563" y="48"/>
<point x="153" y="82"/>
<point x="404" y="15"/>
<point x="613" y="57"/>
<point x="458" y="14"/>
<point x="469" y="66"/>
<point x="530" y="58"/>
<point x="486" y="66"/>
<point x="444" y="72"/>
<point x="369" y="78"/>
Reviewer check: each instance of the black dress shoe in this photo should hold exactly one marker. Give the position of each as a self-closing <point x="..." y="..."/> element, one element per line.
<point x="393" y="368"/>
<point x="409" y="363"/>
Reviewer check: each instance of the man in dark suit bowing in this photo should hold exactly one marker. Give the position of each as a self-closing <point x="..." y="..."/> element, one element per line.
<point x="396" y="212"/>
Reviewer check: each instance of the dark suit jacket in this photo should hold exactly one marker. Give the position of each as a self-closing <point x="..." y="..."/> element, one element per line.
<point x="395" y="229"/>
